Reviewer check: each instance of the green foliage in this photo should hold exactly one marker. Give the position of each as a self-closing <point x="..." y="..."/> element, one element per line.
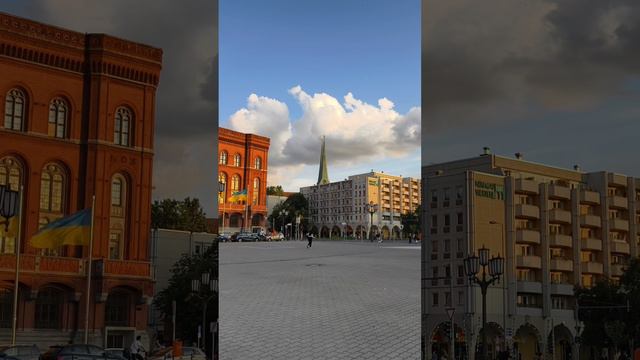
<point x="275" y="190"/>
<point x="411" y="221"/>
<point x="607" y="321"/>
<point x="296" y="204"/>
<point x="185" y="215"/>
<point x="188" y="307"/>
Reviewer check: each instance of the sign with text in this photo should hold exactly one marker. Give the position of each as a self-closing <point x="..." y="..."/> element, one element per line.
<point x="489" y="190"/>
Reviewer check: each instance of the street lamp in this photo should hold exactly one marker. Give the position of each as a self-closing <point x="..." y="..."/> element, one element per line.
<point x="221" y="192"/>
<point x="283" y="214"/>
<point x="371" y="208"/>
<point x="8" y="204"/>
<point x="495" y="267"/>
<point x="9" y="208"/>
<point x="205" y="289"/>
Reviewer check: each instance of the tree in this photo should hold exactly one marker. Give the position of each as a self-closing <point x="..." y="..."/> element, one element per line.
<point x="186" y="215"/>
<point x="411" y="221"/>
<point x="296" y="204"/>
<point x="188" y="307"/>
<point x="275" y="190"/>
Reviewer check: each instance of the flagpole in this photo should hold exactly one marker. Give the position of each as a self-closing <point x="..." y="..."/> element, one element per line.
<point x="88" y="297"/>
<point x="14" y="326"/>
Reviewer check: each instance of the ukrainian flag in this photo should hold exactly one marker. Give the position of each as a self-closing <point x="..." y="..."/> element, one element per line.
<point x="238" y="196"/>
<point x="71" y="230"/>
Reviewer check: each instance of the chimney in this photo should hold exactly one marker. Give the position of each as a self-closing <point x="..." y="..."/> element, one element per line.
<point x="576" y="167"/>
<point x="519" y="156"/>
<point x="486" y="150"/>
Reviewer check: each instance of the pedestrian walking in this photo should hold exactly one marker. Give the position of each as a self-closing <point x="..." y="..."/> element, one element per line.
<point x="137" y="349"/>
<point x="309" y="239"/>
<point x="379" y="238"/>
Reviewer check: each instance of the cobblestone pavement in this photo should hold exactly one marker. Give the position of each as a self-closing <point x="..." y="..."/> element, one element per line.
<point x="337" y="300"/>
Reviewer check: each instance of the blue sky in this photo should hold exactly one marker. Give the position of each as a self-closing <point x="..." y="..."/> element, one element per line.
<point x="368" y="48"/>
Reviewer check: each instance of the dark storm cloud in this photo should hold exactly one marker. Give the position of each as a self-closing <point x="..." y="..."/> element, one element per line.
<point x="495" y="60"/>
<point x="186" y="102"/>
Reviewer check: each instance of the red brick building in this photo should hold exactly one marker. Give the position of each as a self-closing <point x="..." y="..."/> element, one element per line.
<point x="78" y="120"/>
<point x="242" y="164"/>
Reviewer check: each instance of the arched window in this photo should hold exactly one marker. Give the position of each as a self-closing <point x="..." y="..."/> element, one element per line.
<point x="52" y="199"/>
<point x="49" y="308"/>
<point x="223" y="158"/>
<point x="235" y="183"/>
<point x="58" y="115"/>
<point x="122" y="126"/>
<point x="14" y="110"/>
<point x="117" y="221"/>
<point x="258" y="163"/>
<point x="222" y="179"/>
<point x="10" y="174"/>
<point x="256" y="191"/>
<point x="237" y="160"/>
<point x="117" y="308"/>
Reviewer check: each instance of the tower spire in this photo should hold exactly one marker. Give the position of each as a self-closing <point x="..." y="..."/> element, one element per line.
<point x="323" y="174"/>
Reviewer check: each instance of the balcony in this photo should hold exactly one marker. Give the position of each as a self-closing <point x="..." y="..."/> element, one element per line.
<point x="620" y="247"/>
<point x="617" y="179"/>
<point x="529" y="261"/>
<point x="561" y="240"/>
<point x="526" y="186"/>
<point x="126" y="268"/>
<point x="590" y="267"/>
<point x="617" y="269"/>
<point x="619" y="224"/>
<point x="618" y="202"/>
<point x="532" y="287"/>
<point x="589" y="197"/>
<point x="560" y="216"/>
<point x="559" y="192"/>
<point x="590" y="220"/>
<point x="561" y="289"/>
<point x="560" y="264"/>
<point x="591" y="244"/>
<point x="43" y="264"/>
<point x="527" y="211"/>
<point x="527" y="236"/>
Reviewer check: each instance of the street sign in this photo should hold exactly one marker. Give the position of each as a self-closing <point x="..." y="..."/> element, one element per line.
<point x="450" y="311"/>
<point x="509" y="334"/>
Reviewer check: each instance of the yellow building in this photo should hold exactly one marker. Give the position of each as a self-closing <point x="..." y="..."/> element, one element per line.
<point x="555" y="227"/>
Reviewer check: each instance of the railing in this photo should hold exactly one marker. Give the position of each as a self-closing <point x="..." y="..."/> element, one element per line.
<point x="126" y="268"/>
<point x="48" y="264"/>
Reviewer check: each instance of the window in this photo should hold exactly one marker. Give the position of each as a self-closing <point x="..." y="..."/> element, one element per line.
<point x="460" y="218"/>
<point x="447" y="220"/>
<point x="447" y="246"/>
<point x="52" y="184"/>
<point x="447" y="299"/>
<point x="223" y="158"/>
<point x="434" y="299"/>
<point x="434" y="196"/>
<point x="49" y="308"/>
<point x="256" y="191"/>
<point x="434" y="246"/>
<point x="434" y="221"/>
<point x="14" y="110"/>
<point x="460" y="271"/>
<point x="460" y="247"/>
<point x="117" y="220"/>
<point x="460" y="297"/>
<point x="459" y="195"/>
<point x="258" y="163"/>
<point x="122" y="127"/>
<point x="222" y="178"/>
<point x="11" y="175"/>
<point x="235" y="183"/>
<point x="117" y="309"/>
<point x="237" y="159"/>
<point x="58" y="115"/>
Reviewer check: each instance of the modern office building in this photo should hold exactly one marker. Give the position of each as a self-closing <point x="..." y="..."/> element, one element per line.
<point x="556" y="228"/>
<point x="242" y="165"/>
<point x="339" y="209"/>
<point x="78" y="121"/>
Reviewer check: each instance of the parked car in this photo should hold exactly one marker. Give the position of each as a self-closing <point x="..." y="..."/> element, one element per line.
<point x="78" y="351"/>
<point x="188" y="353"/>
<point x="224" y="237"/>
<point x="19" y="352"/>
<point x="248" y="237"/>
<point x="275" y="237"/>
<point x="117" y="353"/>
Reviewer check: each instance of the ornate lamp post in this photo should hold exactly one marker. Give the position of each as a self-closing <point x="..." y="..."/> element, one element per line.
<point x="283" y="215"/>
<point x="371" y="208"/>
<point x="472" y="266"/>
<point x="9" y="208"/>
<point x="205" y="289"/>
<point x="221" y="192"/>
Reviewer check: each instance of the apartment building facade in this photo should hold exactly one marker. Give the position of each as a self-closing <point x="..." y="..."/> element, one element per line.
<point x="556" y="228"/>
<point x="340" y="209"/>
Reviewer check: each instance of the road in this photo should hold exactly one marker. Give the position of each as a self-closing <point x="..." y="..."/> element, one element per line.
<point x="337" y="300"/>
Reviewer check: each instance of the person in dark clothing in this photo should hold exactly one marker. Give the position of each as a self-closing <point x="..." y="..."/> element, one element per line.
<point x="309" y="239"/>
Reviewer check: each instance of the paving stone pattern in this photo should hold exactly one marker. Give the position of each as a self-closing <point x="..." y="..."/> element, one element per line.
<point x="337" y="300"/>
